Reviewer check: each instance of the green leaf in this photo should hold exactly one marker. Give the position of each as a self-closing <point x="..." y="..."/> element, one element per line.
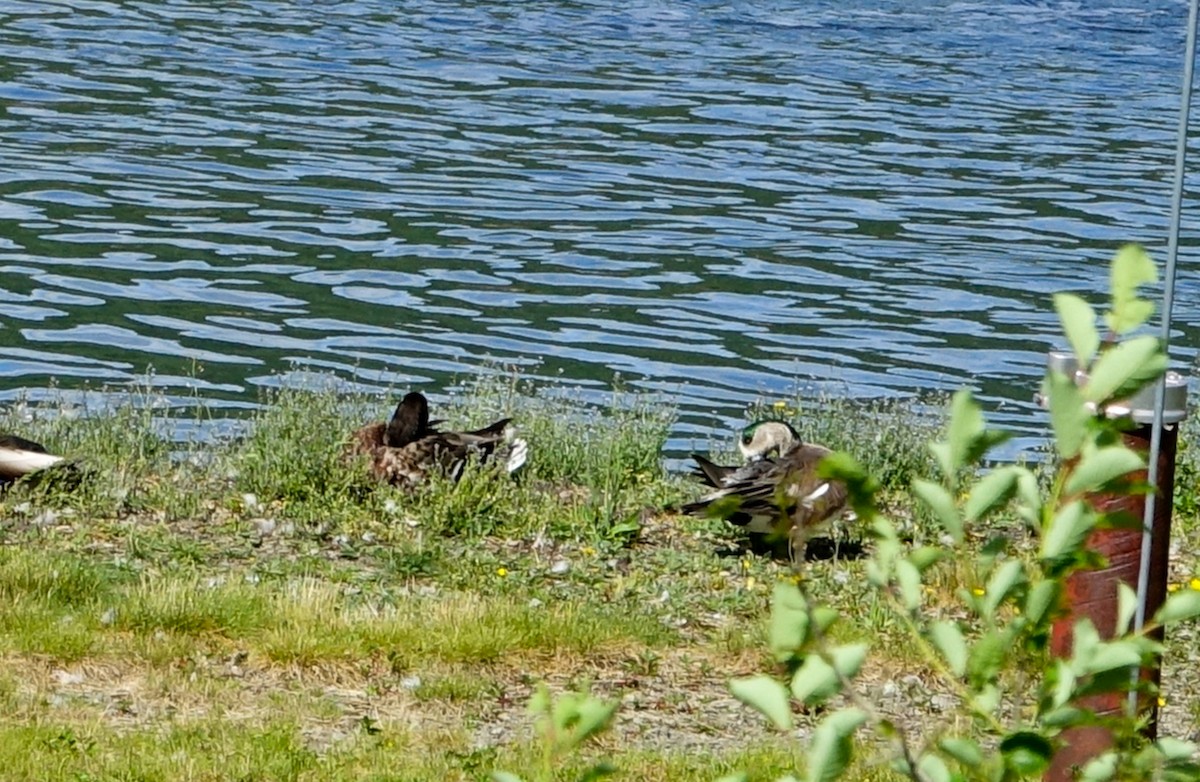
<point x="848" y="658"/>
<point x="933" y="768"/>
<point x="987" y="699"/>
<point x="1029" y="494"/>
<point x="926" y="557"/>
<point x="991" y="492"/>
<point x="965" y="427"/>
<point x="1069" y="415"/>
<point x="986" y="657"/>
<point x="965" y="751"/>
<point x="539" y="702"/>
<point x="1175" y="749"/>
<point x="1101" y="466"/>
<point x="815" y="680"/>
<point x="1064" y="684"/>
<point x="1180" y="606"/>
<point x="1131" y="267"/>
<point x="1005" y="577"/>
<point x="504" y="776"/>
<point x="909" y="579"/>
<point x="1026" y="752"/>
<point x="1126" y="607"/>
<point x="592" y="716"/>
<point x="1038" y="601"/>
<point x="1079" y="324"/>
<point x="598" y="771"/>
<point x="1125" y="369"/>
<point x="765" y="695"/>
<point x="831" y="747"/>
<point x="948" y="639"/>
<point x="1084" y="643"/>
<point x="1100" y="769"/>
<point x="788" y="629"/>
<point x="1067" y="532"/>
<point x="941" y="503"/>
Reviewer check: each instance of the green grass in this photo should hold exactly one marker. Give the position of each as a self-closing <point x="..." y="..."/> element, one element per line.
<point x="253" y="608"/>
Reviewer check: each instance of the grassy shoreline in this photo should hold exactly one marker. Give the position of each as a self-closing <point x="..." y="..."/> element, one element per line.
<point x="255" y="609"/>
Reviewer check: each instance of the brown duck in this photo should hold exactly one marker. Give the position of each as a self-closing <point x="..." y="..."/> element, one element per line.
<point x="778" y="491"/>
<point x="409" y="447"/>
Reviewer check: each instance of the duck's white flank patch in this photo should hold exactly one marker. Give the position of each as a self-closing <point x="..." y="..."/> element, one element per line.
<point x="518" y="451"/>
<point x="17" y="462"/>
<point x="816" y="494"/>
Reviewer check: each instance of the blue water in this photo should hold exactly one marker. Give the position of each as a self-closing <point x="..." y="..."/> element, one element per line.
<point x="721" y="201"/>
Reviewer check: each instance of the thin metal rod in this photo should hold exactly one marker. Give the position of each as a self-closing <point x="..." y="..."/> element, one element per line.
<point x="1185" y="105"/>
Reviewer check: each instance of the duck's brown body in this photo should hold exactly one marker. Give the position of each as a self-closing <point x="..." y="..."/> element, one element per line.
<point x="781" y="494"/>
<point x="408" y="448"/>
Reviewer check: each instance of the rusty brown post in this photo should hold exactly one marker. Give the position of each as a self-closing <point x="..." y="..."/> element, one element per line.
<point x="1093" y="593"/>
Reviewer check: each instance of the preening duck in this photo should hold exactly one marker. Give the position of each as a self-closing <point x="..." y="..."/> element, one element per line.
<point x="777" y="491"/>
<point x="408" y="448"/>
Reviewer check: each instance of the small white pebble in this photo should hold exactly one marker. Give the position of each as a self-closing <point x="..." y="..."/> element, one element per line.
<point x="252" y="578"/>
<point x="22" y="507"/>
<point x="560" y="567"/>
<point x="108" y="617"/>
<point x="390" y="507"/>
<point x="264" y="526"/>
<point x="535" y="603"/>
<point x="341" y="540"/>
<point x="66" y="677"/>
<point x="368" y="537"/>
<point x="250" y="501"/>
<point x="410" y="682"/>
<point x="46" y="518"/>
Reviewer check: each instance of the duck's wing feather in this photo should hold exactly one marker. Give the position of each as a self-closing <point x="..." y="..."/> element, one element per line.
<point x="711" y="473"/>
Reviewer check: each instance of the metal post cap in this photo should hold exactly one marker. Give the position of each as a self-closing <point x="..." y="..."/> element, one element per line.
<point x="1140" y="406"/>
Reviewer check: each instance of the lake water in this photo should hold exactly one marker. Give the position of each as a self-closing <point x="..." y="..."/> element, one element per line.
<point x="719" y="200"/>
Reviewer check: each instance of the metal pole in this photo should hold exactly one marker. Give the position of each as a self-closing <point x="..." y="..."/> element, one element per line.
<point x="1185" y="103"/>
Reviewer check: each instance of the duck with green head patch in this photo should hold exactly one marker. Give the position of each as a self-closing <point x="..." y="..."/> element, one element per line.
<point x="778" y="491"/>
<point x="406" y="449"/>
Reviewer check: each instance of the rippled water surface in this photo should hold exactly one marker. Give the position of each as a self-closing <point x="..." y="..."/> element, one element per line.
<point x="717" y="200"/>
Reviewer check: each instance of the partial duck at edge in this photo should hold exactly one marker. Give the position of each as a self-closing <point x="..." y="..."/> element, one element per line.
<point x="20" y="457"/>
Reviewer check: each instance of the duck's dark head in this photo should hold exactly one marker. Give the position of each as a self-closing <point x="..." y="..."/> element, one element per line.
<point x="766" y="438"/>
<point x="410" y="422"/>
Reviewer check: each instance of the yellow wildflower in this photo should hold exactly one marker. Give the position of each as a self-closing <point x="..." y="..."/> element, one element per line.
<point x="978" y="592"/>
<point x="1195" y="584"/>
<point x="780" y="405"/>
<point x="502" y="571"/>
<point x="1172" y="587"/>
<point x="750" y="582"/>
<point x="1161" y="701"/>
